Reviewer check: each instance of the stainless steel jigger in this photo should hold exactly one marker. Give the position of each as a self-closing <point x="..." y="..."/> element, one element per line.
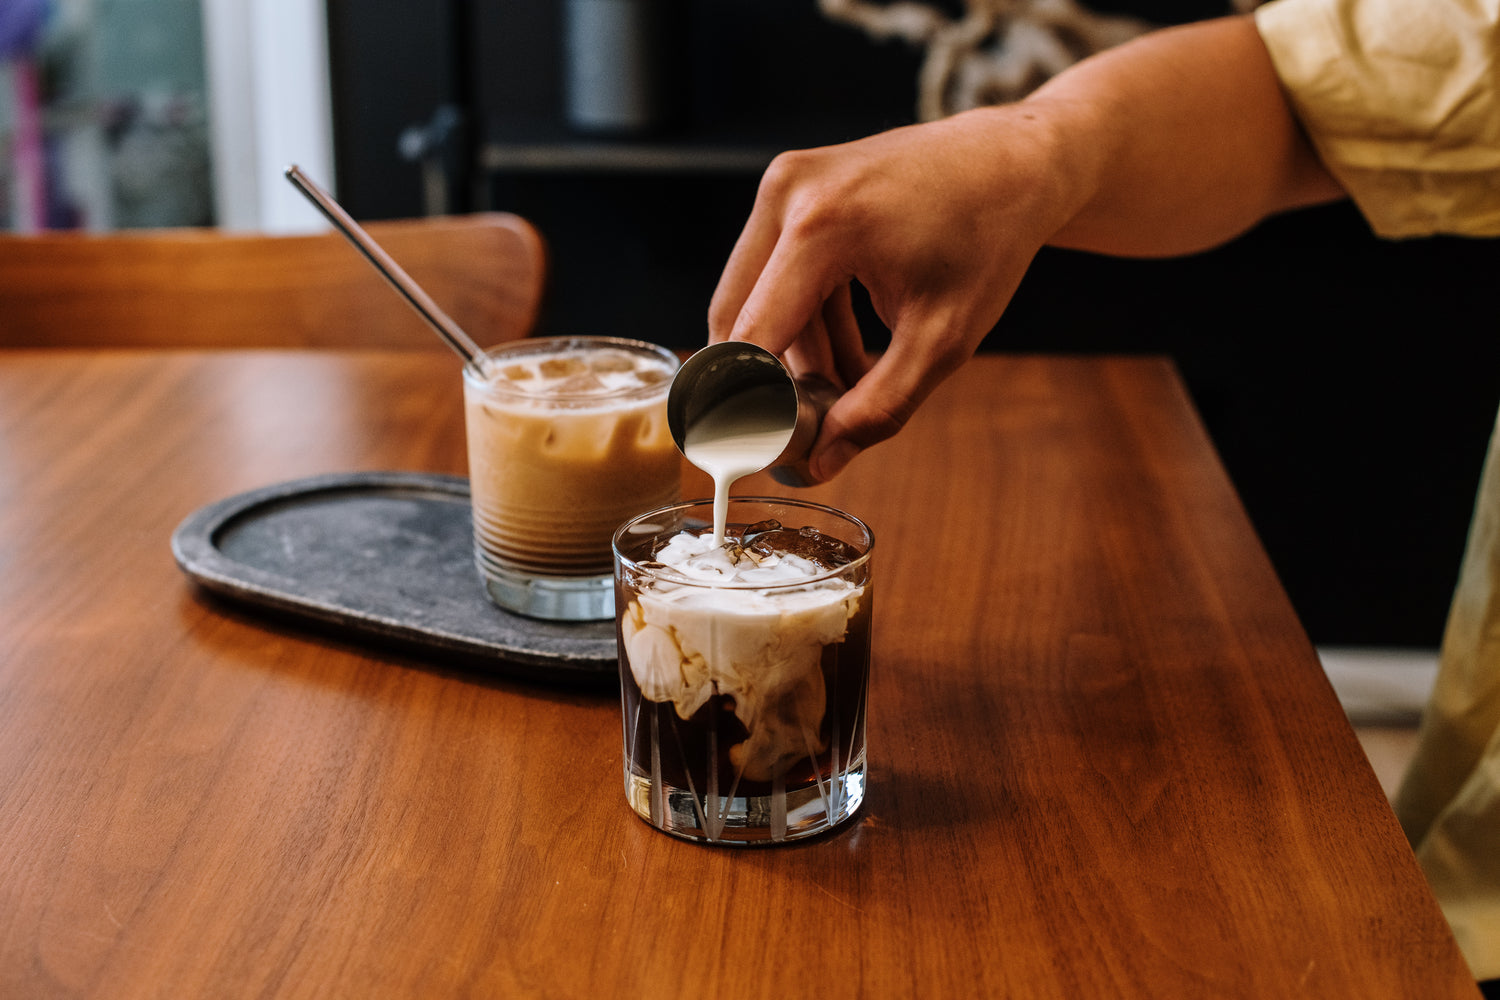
<point x="721" y="371"/>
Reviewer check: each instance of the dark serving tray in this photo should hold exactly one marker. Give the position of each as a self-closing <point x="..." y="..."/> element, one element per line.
<point x="381" y="555"/>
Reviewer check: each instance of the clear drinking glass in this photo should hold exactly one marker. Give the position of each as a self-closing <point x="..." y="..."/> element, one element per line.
<point x="744" y="703"/>
<point x="567" y="438"/>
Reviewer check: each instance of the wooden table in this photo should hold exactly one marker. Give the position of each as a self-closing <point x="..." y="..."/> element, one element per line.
<point x="1104" y="759"/>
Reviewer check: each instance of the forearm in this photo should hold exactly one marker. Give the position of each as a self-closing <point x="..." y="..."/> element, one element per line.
<point x="1167" y="145"/>
<point x="1176" y="142"/>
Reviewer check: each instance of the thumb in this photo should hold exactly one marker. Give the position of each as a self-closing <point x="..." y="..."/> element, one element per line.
<point x="877" y="406"/>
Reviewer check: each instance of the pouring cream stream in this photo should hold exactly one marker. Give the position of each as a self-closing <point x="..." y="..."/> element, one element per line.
<point x="743" y="434"/>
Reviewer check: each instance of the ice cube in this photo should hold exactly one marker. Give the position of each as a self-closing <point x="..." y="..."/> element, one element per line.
<point x="562" y="367"/>
<point x="577" y="385"/>
<point x="808" y="543"/>
<point x="750" y="531"/>
<point x="651" y="376"/>
<point x="611" y="361"/>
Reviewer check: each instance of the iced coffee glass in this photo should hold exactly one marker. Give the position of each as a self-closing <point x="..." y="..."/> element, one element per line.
<point x="567" y="439"/>
<point x="743" y="668"/>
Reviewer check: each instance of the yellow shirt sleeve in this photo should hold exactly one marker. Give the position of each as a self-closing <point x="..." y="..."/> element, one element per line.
<point x="1399" y="98"/>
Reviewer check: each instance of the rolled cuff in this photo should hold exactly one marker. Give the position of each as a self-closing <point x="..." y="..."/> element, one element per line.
<point x="1399" y="100"/>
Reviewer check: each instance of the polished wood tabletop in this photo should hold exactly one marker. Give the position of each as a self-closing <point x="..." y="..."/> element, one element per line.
<point x="1104" y="761"/>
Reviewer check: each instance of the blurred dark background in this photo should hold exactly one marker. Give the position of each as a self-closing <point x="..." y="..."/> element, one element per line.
<point x="1350" y="384"/>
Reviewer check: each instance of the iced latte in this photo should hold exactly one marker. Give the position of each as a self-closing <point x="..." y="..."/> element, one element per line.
<point x="743" y="668"/>
<point x="567" y="439"/>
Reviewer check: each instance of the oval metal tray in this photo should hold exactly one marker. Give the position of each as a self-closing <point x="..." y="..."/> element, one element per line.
<point x="385" y="556"/>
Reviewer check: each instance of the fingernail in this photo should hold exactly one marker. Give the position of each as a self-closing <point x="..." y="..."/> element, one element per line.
<point x="833" y="459"/>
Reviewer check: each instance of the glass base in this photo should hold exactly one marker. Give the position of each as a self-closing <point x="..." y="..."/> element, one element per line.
<point x="781" y="817"/>
<point x="554" y="598"/>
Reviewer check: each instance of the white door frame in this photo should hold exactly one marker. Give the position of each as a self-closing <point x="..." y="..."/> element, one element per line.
<point x="269" y="106"/>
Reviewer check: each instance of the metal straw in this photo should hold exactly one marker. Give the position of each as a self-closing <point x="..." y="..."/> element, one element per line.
<point x="389" y="269"/>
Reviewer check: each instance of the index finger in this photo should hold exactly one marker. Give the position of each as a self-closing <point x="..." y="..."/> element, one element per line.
<point x="743" y="269"/>
<point x="786" y="296"/>
<point x="779" y="274"/>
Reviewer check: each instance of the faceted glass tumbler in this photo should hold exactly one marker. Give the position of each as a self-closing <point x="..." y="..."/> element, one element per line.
<point x="744" y="704"/>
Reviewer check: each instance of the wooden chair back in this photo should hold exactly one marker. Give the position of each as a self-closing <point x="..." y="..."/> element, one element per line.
<point x="209" y="288"/>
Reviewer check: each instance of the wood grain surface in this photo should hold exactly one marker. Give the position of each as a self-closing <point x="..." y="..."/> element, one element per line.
<point x="1104" y="760"/>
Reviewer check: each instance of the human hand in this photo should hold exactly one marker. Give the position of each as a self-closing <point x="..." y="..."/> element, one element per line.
<point x="1165" y="145"/>
<point x="938" y="222"/>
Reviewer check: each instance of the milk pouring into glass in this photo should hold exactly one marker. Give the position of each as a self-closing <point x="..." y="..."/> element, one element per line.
<point x="734" y="409"/>
<point x="740" y="436"/>
<point x="744" y="649"/>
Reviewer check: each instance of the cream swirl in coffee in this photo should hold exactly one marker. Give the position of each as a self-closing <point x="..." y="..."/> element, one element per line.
<point x="749" y="623"/>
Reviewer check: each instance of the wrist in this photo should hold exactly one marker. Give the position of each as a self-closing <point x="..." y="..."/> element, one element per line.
<point x="1045" y="158"/>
